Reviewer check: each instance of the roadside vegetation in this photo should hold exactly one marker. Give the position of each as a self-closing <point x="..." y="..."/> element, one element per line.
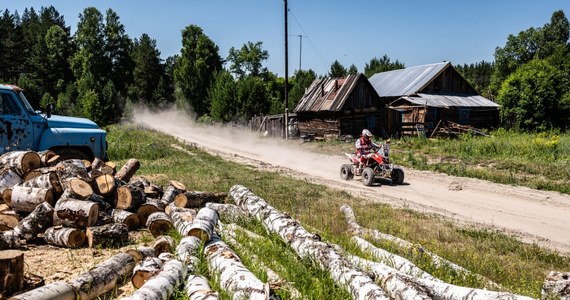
<point x="517" y="267"/>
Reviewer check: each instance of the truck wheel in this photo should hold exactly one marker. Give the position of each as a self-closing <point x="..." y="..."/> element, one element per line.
<point x="368" y="176"/>
<point x="397" y="176"/>
<point x="71" y="153"/>
<point x="346" y="172"/>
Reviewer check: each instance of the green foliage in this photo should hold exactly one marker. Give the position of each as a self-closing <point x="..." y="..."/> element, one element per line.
<point x="531" y="97"/>
<point x="337" y="70"/>
<point x="479" y="75"/>
<point x="222" y="96"/>
<point x="252" y="97"/>
<point x="378" y="65"/>
<point x="352" y="70"/>
<point x="147" y="72"/>
<point x="301" y="81"/>
<point x="248" y="61"/>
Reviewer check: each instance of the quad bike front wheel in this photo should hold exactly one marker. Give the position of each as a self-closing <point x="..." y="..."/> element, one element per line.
<point x="346" y="172"/>
<point x="397" y="176"/>
<point x="367" y="176"/>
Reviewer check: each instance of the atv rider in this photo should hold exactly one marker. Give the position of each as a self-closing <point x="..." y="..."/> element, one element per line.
<point x="364" y="144"/>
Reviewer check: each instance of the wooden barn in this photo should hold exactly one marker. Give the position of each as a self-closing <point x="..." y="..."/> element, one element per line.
<point x="343" y="106"/>
<point x="428" y="94"/>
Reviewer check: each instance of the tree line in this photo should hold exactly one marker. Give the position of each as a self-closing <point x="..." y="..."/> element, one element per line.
<point x="100" y="73"/>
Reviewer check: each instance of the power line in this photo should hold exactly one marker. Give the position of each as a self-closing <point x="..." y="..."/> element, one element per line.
<point x="324" y="64"/>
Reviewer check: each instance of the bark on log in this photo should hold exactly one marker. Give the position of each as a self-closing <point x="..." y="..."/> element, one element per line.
<point x="130" y="197"/>
<point x="164" y="284"/>
<point x="12" y="270"/>
<point x="77" y="189"/>
<point x="39" y="171"/>
<point x="229" y="213"/>
<point x="163" y="244"/>
<point x="8" y="178"/>
<point x="203" y="225"/>
<point x="103" y="218"/>
<point x="71" y="168"/>
<point x="149" y="207"/>
<point x="144" y="270"/>
<point x="65" y="237"/>
<point x="103" y="277"/>
<point x="53" y="291"/>
<point x="392" y="260"/>
<point x="110" y="235"/>
<point x="437" y="290"/>
<point x="308" y="246"/>
<point x="182" y="220"/>
<point x="75" y="213"/>
<point x="556" y="286"/>
<point x="36" y="222"/>
<point x="141" y="253"/>
<point x="6" y="196"/>
<point x="187" y="251"/>
<point x="198" y="288"/>
<point x="103" y="205"/>
<point x="128" y="170"/>
<point x="126" y="217"/>
<point x="25" y="199"/>
<point x="104" y="185"/>
<point x="195" y="199"/>
<point x="8" y="219"/>
<point x="436" y="259"/>
<point x="10" y="240"/>
<point x="159" y="223"/>
<point x="46" y="157"/>
<point x="154" y="191"/>
<point x="21" y="161"/>
<point x="45" y="181"/>
<point x="174" y="188"/>
<point x="235" y="278"/>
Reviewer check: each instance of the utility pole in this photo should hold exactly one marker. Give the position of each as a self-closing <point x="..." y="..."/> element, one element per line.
<point x="286" y="115"/>
<point x="300" y="49"/>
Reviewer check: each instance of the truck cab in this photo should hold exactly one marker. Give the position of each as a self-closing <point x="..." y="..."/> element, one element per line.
<point x="23" y="128"/>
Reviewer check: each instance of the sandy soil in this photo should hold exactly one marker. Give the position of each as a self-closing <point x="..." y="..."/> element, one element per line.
<point x="531" y="215"/>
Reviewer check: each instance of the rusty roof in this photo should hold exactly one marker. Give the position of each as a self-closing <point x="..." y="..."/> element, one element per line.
<point x="405" y="82"/>
<point x="450" y="100"/>
<point x="327" y="94"/>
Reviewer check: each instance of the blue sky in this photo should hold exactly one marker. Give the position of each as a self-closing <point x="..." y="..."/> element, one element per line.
<point x="415" y="32"/>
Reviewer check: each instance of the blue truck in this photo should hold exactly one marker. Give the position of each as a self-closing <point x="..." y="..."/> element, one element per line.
<point x="23" y="128"/>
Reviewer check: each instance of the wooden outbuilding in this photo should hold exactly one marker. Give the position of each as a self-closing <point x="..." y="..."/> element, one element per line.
<point x="343" y="106"/>
<point x="428" y="94"/>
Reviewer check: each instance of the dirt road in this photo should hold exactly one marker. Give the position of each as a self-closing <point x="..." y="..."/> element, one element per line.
<point x="532" y="215"/>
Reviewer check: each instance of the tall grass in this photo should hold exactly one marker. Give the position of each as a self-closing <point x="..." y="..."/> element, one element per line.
<point x="519" y="267"/>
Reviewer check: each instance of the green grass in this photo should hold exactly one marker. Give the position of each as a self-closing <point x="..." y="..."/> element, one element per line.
<point x="518" y="267"/>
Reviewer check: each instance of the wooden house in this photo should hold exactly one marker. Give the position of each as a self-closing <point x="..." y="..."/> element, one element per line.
<point x="428" y="94"/>
<point x="343" y="106"/>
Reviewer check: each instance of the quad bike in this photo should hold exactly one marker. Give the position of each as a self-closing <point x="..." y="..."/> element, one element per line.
<point x="375" y="164"/>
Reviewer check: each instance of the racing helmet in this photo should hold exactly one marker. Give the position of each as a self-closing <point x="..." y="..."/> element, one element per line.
<point x="366" y="133"/>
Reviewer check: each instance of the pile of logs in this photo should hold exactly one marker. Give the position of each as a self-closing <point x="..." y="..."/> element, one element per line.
<point x="452" y="130"/>
<point x="83" y="203"/>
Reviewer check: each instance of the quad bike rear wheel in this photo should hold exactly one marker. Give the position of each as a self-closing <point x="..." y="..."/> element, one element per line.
<point x="397" y="176"/>
<point x="346" y="172"/>
<point x="367" y="176"/>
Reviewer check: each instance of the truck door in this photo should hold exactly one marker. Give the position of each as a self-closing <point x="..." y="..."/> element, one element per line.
<point x="16" y="130"/>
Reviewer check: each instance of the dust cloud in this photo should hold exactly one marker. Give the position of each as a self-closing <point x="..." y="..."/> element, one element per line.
<point x="242" y="142"/>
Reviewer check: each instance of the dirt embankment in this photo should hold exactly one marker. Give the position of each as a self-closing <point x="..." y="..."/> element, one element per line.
<point x="532" y="215"/>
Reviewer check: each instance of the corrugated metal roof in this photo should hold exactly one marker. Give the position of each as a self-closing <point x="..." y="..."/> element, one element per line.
<point x="405" y="82"/>
<point x="327" y="94"/>
<point x="450" y="101"/>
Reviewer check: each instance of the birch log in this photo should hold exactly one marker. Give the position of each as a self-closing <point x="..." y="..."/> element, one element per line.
<point x="65" y="237"/>
<point x="172" y="190"/>
<point x="144" y="270"/>
<point x="163" y="285"/>
<point x="53" y="291"/>
<point x="182" y="220"/>
<point x="21" y="161"/>
<point x="10" y="240"/>
<point x="126" y="217"/>
<point x="141" y="253"/>
<point x="556" y="285"/>
<point x="104" y="185"/>
<point x="229" y="213"/>
<point x="46" y="156"/>
<point x="197" y="288"/>
<point x="8" y="178"/>
<point x="159" y="223"/>
<point x="163" y="244"/>
<point x="187" y="251"/>
<point x="110" y="235"/>
<point x="149" y="207"/>
<point x="25" y="199"/>
<point x="437" y="290"/>
<point x="130" y="197"/>
<point x="12" y="270"/>
<point x="76" y="188"/>
<point x="235" y="278"/>
<point x="128" y="170"/>
<point x="203" y="225"/>
<point x="8" y="219"/>
<point x="103" y="277"/>
<point x="380" y="236"/>
<point x="75" y="213"/>
<point x="45" y="181"/>
<point x="36" y="222"/>
<point x="307" y="246"/>
<point x="196" y="199"/>
<point x="392" y="260"/>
